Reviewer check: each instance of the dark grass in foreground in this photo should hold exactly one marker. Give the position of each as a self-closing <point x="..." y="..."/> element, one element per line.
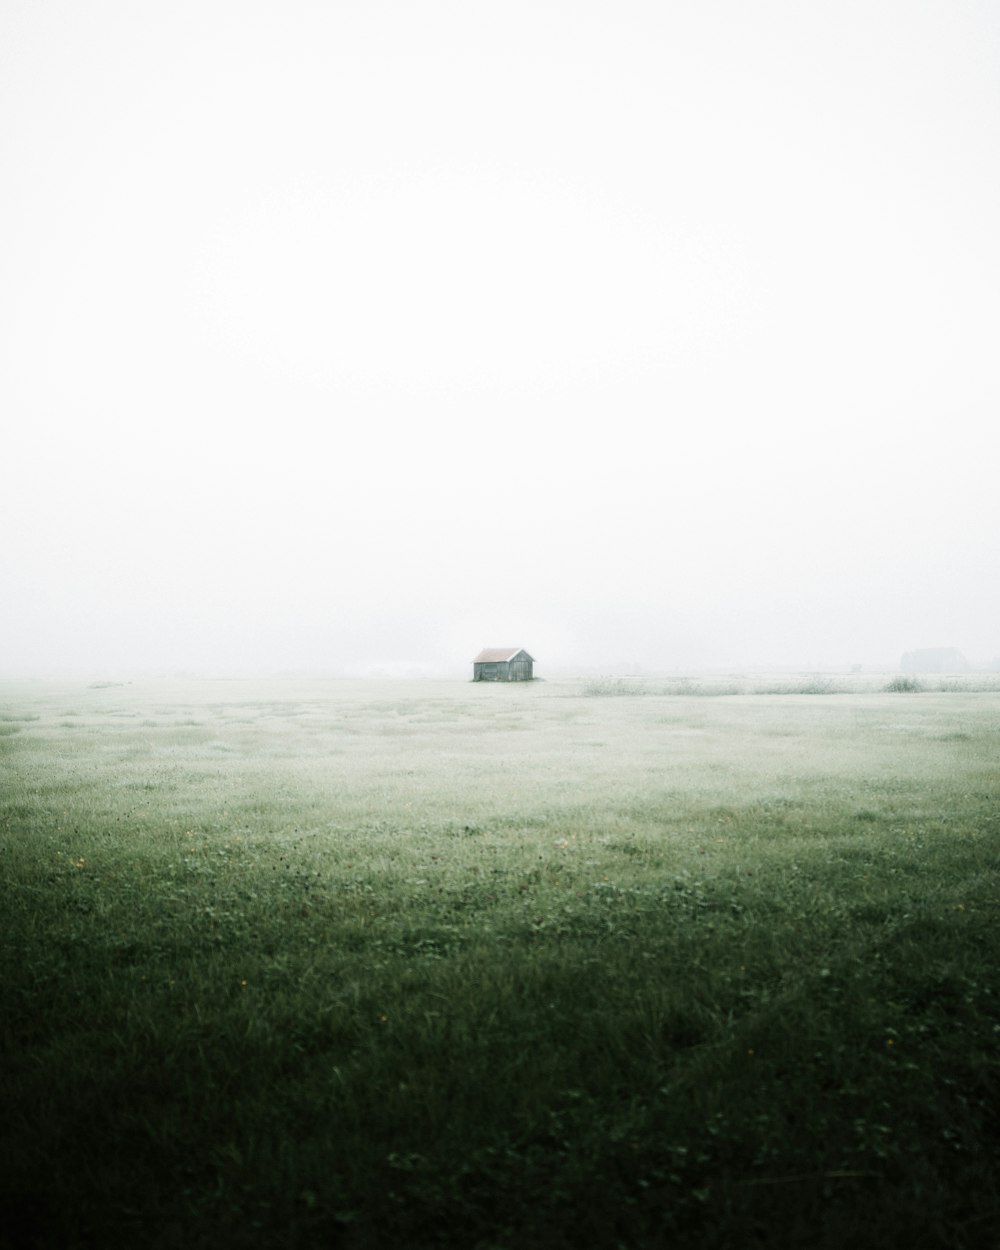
<point x="313" y="973"/>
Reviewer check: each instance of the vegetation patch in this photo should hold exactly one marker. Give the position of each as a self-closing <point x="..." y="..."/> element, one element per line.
<point x="903" y="684"/>
<point x="723" y="974"/>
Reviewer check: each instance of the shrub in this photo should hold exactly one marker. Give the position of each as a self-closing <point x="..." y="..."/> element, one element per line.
<point x="901" y="684"/>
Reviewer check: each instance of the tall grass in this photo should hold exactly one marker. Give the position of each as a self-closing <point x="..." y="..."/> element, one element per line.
<point x="903" y="684"/>
<point x="421" y="965"/>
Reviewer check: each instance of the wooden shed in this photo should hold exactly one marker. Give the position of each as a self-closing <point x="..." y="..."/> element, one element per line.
<point x="502" y="664"/>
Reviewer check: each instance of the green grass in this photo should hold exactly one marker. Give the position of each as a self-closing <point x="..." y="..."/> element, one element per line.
<point x="450" y="965"/>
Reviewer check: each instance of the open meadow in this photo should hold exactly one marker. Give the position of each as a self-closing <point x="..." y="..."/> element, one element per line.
<point x="423" y="964"/>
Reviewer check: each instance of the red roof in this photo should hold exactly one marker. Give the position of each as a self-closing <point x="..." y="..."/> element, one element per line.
<point x="498" y="655"/>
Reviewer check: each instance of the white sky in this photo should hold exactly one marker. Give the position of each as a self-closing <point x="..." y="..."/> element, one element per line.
<point x="359" y="333"/>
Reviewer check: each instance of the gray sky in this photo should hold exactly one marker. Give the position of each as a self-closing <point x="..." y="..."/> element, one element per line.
<point x="363" y="334"/>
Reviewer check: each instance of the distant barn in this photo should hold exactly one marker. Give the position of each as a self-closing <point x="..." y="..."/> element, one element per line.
<point x="502" y="664"/>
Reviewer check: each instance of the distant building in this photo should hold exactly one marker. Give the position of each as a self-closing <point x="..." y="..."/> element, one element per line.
<point x="934" y="660"/>
<point x="502" y="664"/>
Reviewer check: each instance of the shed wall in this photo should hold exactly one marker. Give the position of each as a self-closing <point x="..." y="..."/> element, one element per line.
<point x="518" y="669"/>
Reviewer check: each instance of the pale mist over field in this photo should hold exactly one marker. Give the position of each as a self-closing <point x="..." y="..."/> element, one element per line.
<point x="357" y="336"/>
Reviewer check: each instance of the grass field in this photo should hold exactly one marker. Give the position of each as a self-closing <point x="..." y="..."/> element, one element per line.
<point x="416" y="964"/>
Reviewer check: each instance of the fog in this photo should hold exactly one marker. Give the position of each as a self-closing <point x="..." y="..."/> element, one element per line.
<point x="353" y="337"/>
